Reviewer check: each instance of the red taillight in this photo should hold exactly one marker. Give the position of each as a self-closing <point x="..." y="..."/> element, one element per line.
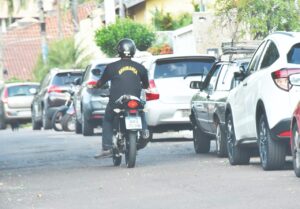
<point x="133" y="111"/>
<point x="152" y="93"/>
<point x="91" y="84"/>
<point x="132" y="104"/>
<point x="5" y="96"/>
<point x="53" y="88"/>
<point x="284" y="134"/>
<point x="281" y="77"/>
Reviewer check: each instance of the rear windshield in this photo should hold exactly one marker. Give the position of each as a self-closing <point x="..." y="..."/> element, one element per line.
<point x="63" y="79"/>
<point x="182" y="68"/>
<point x="294" y="54"/>
<point x="22" y="90"/>
<point x="101" y="68"/>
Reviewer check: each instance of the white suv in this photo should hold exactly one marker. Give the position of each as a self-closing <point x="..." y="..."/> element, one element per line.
<point x="259" y="109"/>
<point x="169" y="95"/>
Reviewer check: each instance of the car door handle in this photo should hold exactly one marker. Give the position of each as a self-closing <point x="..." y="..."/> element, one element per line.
<point x="244" y="84"/>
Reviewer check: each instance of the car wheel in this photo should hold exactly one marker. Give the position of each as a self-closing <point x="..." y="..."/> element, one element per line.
<point x="46" y="122"/>
<point x="201" y="141"/>
<point x="87" y="128"/>
<point x="237" y="155"/>
<point x="272" y="153"/>
<point x="295" y="148"/>
<point x="221" y="147"/>
<point x="2" y="123"/>
<point x="78" y="127"/>
<point x="35" y="125"/>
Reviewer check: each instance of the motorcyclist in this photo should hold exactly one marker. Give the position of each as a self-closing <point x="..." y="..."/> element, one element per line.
<point x="127" y="77"/>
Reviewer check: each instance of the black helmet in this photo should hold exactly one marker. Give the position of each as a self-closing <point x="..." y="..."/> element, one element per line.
<point x="126" y="48"/>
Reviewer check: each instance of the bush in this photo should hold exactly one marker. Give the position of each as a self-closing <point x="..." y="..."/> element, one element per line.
<point x="108" y="37"/>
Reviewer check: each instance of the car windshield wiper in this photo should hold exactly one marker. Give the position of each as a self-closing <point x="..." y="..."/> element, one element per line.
<point x="192" y="74"/>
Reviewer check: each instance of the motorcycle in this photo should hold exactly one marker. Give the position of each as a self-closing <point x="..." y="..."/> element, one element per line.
<point x="127" y="125"/>
<point x="64" y="117"/>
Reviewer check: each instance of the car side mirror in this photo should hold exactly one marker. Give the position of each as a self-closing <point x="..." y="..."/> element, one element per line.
<point x="96" y="72"/>
<point x="295" y="79"/>
<point x="196" y="84"/>
<point x="239" y="76"/>
<point x="77" y="81"/>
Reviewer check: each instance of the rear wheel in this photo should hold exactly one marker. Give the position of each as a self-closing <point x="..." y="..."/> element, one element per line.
<point x="87" y="128"/>
<point x="78" y="127"/>
<point x="68" y="122"/>
<point x="35" y="125"/>
<point x="221" y="142"/>
<point x="201" y="141"/>
<point x="237" y="155"/>
<point x="46" y="121"/>
<point x="272" y="153"/>
<point x="57" y="120"/>
<point x="295" y="147"/>
<point x="130" y="152"/>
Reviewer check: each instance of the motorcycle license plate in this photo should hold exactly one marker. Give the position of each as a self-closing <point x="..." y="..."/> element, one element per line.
<point x="133" y="122"/>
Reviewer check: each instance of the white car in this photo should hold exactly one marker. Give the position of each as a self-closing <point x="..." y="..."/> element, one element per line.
<point x="259" y="109"/>
<point x="168" y="98"/>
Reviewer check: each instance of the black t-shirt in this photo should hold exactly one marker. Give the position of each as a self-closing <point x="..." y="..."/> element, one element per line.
<point x="127" y="77"/>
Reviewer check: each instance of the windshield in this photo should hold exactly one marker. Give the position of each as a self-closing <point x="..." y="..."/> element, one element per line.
<point x="182" y="68"/>
<point x="22" y="90"/>
<point x="63" y="79"/>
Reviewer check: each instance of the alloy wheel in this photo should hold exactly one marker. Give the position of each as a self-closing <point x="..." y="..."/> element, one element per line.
<point x="296" y="149"/>
<point x="263" y="142"/>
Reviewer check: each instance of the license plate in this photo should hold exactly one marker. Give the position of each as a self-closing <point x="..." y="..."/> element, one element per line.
<point x="133" y="122"/>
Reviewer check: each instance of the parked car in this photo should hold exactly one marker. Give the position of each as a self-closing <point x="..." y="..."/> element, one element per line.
<point x="208" y="106"/>
<point x="15" y="102"/>
<point x="51" y="95"/>
<point x="259" y="109"/>
<point x="89" y="104"/>
<point x="168" y="98"/>
<point x="295" y="139"/>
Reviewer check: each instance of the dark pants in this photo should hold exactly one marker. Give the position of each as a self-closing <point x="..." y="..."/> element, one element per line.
<point x="107" y="126"/>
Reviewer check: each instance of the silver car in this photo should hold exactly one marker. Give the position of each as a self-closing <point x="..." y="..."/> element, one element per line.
<point x="16" y="99"/>
<point x="168" y="98"/>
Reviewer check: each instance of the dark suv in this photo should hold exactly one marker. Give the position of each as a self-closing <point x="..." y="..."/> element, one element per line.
<point x="51" y="95"/>
<point x="89" y="104"/>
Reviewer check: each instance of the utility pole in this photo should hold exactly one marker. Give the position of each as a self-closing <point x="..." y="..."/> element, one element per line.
<point x="43" y="31"/>
<point x="1" y="57"/>
<point x="121" y="9"/>
<point x="74" y="5"/>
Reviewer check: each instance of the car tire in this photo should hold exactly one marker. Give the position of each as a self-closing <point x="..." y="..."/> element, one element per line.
<point x="87" y="128"/>
<point x="78" y="127"/>
<point x="237" y="155"/>
<point x="46" y="121"/>
<point x="2" y="123"/>
<point x="201" y="141"/>
<point x="295" y="149"/>
<point x="272" y="153"/>
<point x="35" y="125"/>
<point x="221" y="146"/>
<point x="68" y="122"/>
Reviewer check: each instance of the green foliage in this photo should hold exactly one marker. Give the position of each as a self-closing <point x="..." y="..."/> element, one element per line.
<point x="62" y="54"/>
<point x="262" y="17"/>
<point x="108" y="37"/>
<point x="164" y="21"/>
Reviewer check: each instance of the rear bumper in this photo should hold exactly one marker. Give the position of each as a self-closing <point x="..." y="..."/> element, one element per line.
<point x="282" y="126"/>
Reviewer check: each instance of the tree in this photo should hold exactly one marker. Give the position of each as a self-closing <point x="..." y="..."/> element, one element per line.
<point x="62" y="54"/>
<point x="261" y="17"/>
<point x="108" y="37"/>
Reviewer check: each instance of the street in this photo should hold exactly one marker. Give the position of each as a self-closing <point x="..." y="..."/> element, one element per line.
<point x="56" y="170"/>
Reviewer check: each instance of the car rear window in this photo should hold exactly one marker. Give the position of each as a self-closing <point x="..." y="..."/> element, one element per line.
<point x="294" y="54"/>
<point x="22" y="90"/>
<point x="63" y="79"/>
<point x="182" y="68"/>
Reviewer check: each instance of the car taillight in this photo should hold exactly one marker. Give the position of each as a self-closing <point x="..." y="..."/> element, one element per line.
<point x="285" y="134"/>
<point x="281" y="77"/>
<point x="54" y="88"/>
<point x="5" y="96"/>
<point x="132" y="104"/>
<point x="152" y="93"/>
<point x="91" y="84"/>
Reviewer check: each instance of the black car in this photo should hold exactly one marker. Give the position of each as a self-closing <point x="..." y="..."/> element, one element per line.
<point x="208" y="105"/>
<point x="51" y="95"/>
<point x="89" y="101"/>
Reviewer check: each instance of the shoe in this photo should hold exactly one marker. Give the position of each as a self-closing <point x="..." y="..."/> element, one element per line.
<point x="104" y="154"/>
<point x="145" y="134"/>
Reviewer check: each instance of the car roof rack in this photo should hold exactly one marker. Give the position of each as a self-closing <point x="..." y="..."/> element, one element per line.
<point x="236" y="50"/>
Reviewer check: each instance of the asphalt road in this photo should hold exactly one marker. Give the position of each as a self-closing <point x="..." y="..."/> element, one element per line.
<point x="52" y="170"/>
